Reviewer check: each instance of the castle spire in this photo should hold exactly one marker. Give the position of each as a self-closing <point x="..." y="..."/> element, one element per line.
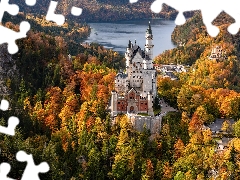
<point x="129" y="44"/>
<point x="149" y="30"/>
<point x="149" y="44"/>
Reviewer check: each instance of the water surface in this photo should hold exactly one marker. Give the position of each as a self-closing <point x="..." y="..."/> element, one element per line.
<point x="116" y="35"/>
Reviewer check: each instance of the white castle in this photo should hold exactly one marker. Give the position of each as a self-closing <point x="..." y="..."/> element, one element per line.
<point x="135" y="89"/>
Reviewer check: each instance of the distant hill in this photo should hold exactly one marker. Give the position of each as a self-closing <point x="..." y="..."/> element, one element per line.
<point x="196" y="41"/>
<point x="102" y="10"/>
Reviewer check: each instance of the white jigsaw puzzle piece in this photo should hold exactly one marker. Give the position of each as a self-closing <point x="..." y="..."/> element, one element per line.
<point x="12" y="9"/>
<point x="12" y="121"/>
<point x="76" y="11"/>
<point x="31" y="171"/>
<point x="210" y="10"/>
<point x="30" y="2"/>
<point x="9" y="36"/>
<point x="12" y="124"/>
<point x="133" y="1"/>
<point x="4" y="105"/>
<point x="4" y="170"/>
<point x="51" y="16"/>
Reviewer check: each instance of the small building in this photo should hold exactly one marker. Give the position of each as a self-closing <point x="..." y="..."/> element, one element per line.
<point x="223" y="143"/>
<point x="218" y="54"/>
<point x="169" y="70"/>
<point x="216" y="126"/>
<point x="223" y="137"/>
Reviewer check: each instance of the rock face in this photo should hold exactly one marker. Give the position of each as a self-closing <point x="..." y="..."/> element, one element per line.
<point x="7" y="70"/>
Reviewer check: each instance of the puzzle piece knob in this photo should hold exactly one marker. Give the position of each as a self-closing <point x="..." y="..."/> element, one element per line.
<point x="30" y="2"/>
<point x="4" y="105"/>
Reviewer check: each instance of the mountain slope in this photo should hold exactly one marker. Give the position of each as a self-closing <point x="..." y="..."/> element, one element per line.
<point x="102" y="10"/>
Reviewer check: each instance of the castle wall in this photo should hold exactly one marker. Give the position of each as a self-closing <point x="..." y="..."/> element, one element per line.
<point x="121" y="105"/>
<point x="151" y="123"/>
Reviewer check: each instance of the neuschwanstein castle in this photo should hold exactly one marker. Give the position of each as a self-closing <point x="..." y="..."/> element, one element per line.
<point x="135" y="89"/>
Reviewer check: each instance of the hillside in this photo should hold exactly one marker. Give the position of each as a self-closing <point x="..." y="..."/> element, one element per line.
<point x="102" y="10"/>
<point x="62" y="101"/>
<point x="197" y="42"/>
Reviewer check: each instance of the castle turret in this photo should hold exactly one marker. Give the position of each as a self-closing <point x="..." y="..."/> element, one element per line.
<point x="114" y="99"/>
<point x="150" y="104"/>
<point x="128" y="54"/>
<point x="154" y="85"/>
<point x="149" y="45"/>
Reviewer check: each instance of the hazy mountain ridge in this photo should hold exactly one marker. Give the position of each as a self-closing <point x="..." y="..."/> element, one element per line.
<point x="102" y="10"/>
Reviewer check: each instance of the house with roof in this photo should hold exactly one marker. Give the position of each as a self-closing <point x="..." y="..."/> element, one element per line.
<point x="220" y="133"/>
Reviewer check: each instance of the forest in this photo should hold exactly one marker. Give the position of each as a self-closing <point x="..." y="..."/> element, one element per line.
<point x="62" y="102"/>
<point x="102" y="10"/>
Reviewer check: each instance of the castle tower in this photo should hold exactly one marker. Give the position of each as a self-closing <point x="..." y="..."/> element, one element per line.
<point x="114" y="99"/>
<point x="149" y="46"/>
<point x="128" y="54"/>
<point x="150" y="104"/>
<point x="154" y="85"/>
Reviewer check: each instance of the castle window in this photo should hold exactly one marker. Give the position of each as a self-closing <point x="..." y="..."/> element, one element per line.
<point x="145" y="103"/>
<point x="118" y="102"/>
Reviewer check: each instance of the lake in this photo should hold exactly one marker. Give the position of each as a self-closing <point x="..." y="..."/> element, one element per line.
<point x="116" y="35"/>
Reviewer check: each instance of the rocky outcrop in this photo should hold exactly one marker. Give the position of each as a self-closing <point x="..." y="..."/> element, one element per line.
<point x="7" y="70"/>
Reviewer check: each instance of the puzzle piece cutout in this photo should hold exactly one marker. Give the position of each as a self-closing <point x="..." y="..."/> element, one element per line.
<point x="76" y="11"/>
<point x="7" y="35"/>
<point x="59" y="18"/>
<point x="210" y="10"/>
<point x="30" y="2"/>
<point x="12" y="121"/>
<point x="12" y="9"/>
<point x="4" y="170"/>
<point x="4" y="105"/>
<point x="31" y="171"/>
<point x="12" y="124"/>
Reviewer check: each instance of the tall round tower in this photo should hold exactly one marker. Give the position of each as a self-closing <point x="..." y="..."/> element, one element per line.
<point x="128" y="54"/>
<point x="149" y="45"/>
